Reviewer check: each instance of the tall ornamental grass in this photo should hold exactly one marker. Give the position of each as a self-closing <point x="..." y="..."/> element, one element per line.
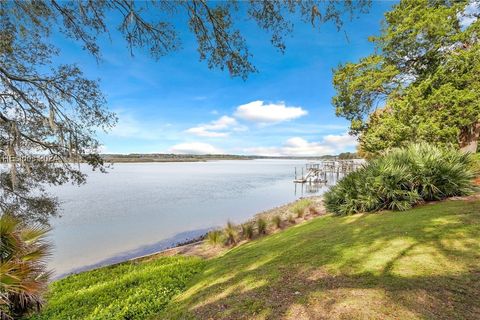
<point x="402" y="178"/>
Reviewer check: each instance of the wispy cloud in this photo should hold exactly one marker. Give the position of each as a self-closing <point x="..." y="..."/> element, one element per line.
<point x="218" y="128"/>
<point x="296" y="146"/>
<point x="260" y="112"/>
<point x="340" y="141"/>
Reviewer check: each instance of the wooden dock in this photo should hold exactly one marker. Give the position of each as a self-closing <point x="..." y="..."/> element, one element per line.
<point x="324" y="171"/>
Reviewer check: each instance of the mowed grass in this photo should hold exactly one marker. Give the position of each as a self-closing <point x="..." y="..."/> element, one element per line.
<point x="423" y="263"/>
<point x="418" y="264"/>
<point x="125" y="291"/>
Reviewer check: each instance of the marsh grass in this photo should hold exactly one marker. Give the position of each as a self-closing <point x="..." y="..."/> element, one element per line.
<point x="261" y="226"/>
<point x="247" y="230"/>
<point x="230" y="233"/>
<point x="300" y="206"/>
<point x="215" y="237"/>
<point x="291" y="219"/>
<point x="277" y="221"/>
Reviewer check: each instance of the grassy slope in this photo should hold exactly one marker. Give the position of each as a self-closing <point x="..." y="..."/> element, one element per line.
<point x="125" y="291"/>
<point x="422" y="263"/>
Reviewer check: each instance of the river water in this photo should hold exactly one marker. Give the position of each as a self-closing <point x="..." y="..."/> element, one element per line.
<point x="140" y="208"/>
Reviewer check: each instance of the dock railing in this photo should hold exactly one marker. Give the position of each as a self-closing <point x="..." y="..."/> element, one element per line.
<point x="326" y="171"/>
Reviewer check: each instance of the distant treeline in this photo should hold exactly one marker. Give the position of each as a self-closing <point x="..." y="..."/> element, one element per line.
<point x="348" y="155"/>
<point x="170" y="157"/>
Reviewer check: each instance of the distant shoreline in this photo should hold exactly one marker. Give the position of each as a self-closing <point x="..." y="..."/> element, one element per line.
<point x="162" y="158"/>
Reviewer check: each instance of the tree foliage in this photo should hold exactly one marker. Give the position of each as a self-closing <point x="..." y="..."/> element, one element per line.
<point x="51" y="109"/>
<point x="422" y="83"/>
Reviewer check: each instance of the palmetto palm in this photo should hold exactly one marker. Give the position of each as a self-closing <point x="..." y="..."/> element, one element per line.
<point x="403" y="177"/>
<point x="23" y="271"/>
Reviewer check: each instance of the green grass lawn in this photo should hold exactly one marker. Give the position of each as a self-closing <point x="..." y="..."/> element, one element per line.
<point x="422" y="263"/>
<point x="418" y="264"/>
<point x="125" y="291"/>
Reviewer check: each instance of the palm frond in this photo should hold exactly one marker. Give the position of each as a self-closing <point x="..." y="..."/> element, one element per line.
<point x="402" y="178"/>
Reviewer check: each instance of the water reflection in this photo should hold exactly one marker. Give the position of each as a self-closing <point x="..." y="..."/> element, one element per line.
<point x="311" y="188"/>
<point x="141" y="204"/>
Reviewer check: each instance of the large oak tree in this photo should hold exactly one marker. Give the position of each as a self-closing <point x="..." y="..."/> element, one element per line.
<point x="422" y="82"/>
<point x="50" y="109"/>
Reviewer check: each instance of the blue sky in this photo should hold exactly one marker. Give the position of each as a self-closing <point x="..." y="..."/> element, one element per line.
<point x="178" y="105"/>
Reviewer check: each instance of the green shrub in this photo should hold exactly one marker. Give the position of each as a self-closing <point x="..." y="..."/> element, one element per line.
<point x="247" y="230"/>
<point x="261" y="226"/>
<point x="214" y="237"/>
<point x="402" y="178"/>
<point x="230" y="234"/>
<point x="277" y="221"/>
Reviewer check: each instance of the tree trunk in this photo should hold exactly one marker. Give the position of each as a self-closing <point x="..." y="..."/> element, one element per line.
<point x="469" y="139"/>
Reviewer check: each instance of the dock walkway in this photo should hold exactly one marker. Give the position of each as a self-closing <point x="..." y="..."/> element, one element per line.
<point x="321" y="172"/>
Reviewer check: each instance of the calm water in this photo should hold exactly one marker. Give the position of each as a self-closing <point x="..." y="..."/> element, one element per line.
<point x="141" y="208"/>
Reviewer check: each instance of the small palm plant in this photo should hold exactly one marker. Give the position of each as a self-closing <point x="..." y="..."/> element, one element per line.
<point x="23" y="273"/>
<point x="231" y="234"/>
<point x="277" y="221"/>
<point x="261" y="226"/>
<point x="247" y="230"/>
<point x="214" y="237"/>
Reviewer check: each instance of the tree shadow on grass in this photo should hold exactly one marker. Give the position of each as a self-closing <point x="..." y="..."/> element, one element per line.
<point x="419" y="264"/>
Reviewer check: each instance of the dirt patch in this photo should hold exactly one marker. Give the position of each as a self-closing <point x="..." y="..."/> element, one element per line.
<point x="472" y="197"/>
<point x="477" y="181"/>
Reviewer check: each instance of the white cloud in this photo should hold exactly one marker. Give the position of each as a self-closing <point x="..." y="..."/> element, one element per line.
<point x="258" y="111"/>
<point x="341" y="141"/>
<point x="217" y="128"/>
<point x="194" y="148"/>
<point x="202" y="132"/>
<point x="296" y="146"/>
